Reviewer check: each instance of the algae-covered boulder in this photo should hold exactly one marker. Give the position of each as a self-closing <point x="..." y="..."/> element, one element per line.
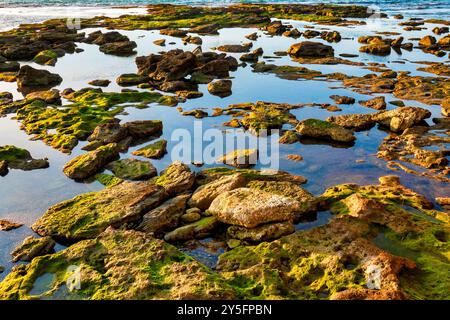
<point x="205" y="194"/>
<point x="118" y="265"/>
<point x="164" y="217"/>
<point x="176" y="178"/>
<point x="155" y="150"/>
<point x="252" y="207"/>
<point x="196" y="230"/>
<point x="132" y="169"/>
<point x="86" y="165"/>
<point x="17" y="158"/>
<point x="33" y="247"/>
<point x="314" y="128"/>
<point x="87" y="215"/>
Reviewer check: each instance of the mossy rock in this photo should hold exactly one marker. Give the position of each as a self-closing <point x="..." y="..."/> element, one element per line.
<point x="118" y="265"/>
<point x="132" y="169"/>
<point x="88" y="215"/>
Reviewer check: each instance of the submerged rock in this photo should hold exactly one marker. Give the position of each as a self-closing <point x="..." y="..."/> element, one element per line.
<point x="252" y="207"/>
<point x="132" y="169"/>
<point x="314" y="128"/>
<point x="88" y="215"/>
<point x="33" y="247"/>
<point x="86" y="165"/>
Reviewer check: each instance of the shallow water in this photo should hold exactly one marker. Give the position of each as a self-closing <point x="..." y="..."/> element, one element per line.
<point x="24" y="196"/>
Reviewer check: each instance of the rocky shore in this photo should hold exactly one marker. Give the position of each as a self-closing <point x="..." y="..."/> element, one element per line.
<point x="127" y="240"/>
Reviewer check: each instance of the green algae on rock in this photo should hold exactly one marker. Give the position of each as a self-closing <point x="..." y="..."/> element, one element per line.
<point x="86" y="165"/>
<point x="132" y="169"/>
<point x="88" y="215"/>
<point x="33" y="247"/>
<point x="17" y="158"/>
<point x="155" y="150"/>
<point x="153" y="270"/>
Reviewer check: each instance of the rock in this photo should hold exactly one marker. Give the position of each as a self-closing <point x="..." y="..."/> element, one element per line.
<point x="176" y="178"/>
<point x="289" y="137"/>
<point x="131" y="79"/>
<point x="197" y="113"/>
<point x="17" y="158"/>
<point x="253" y="36"/>
<point x="310" y="49"/>
<point x="49" y="96"/>
<point x="221" y="88"/>
<point x="342" y="99"/>
<point x="11" y="66"/>
<point x="275" y="28"/>
<point x="197" y="230"/>
<point x="234" y="48"/>
<point x="378" y="49"/>
<point x="29" y="78"/>
<point x="110" y="132"/>
<point x="88" y="215"/>
<point x="122" y="48"/>
<point x="378" y="103"/>
<point x="290" y="190"/>
<point x="155" y="150"/>
<point x="164" y="217"/>
<point x="440" y="30"/>
<point x="265" y="232"/>
<point x="242" y="158"/>
<point x="33" y="247"/>
<point x="294" y="157"/>
<point x="174" y="33"/>
<point x="6" y="225"/>
<point x="204" y="195"/>
<point x="86" y="165"/>
<point x="160" y="42"/>
<point x="46" y="57"/>
<point x="191" y="217"/>
<point x="100" y="38"/>
<point x="132" y="169"/>
<point x="132" y="264"/>
<point x="206" y="29"/>
<point x="427" y="41"/>
<point x="293" y="33"/>
<point x="100" y="83"/>
<point x="331" y="36"/>
<point x="252" y="207"/>
<point x="311" y="34"/>
<point x="144" y="128"/>
<point x="3" y="168"/>
<point x="314" y="128"/>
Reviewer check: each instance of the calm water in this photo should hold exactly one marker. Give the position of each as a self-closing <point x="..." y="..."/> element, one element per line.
<point x="24" y="196"/>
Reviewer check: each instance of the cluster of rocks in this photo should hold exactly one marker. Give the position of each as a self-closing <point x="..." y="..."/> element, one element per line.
<point x="112" y="43"/>
<point x="182" y="71"/>
<point x="106" y="142"/>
